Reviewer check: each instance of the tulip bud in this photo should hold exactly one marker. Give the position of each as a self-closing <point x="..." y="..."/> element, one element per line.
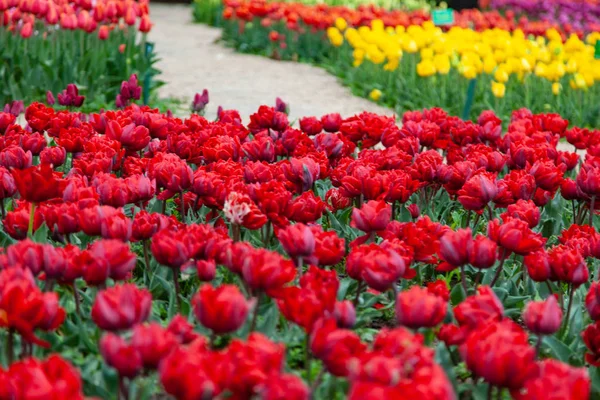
<point x="372" y="216"/>
<point x="345" y="314"/>
<point x="419" y="308"/>
<point x="222" y="310"/>
<point x="414" y="210"/>
<point x="543" y="317"/>
<point x="592" y="301"/>
<point x="297" y="240"/>
<point x="482" y="252"/>
<point x="121" y="356"/>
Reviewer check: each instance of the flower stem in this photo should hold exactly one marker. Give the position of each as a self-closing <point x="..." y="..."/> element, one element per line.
<point x="463" y="279"/>
<point x="568" y="316"/>
<point x="538" y="346"/>
<point x="499" y="271"/>
<point x="255" y="315"/>
<point x="31" y="218"/>
<point x="176" y="281"/>
<point x="359" y="290"/>
<point x="307" y="358"/>
<point x="10" y="343"/>
<point x="591" y="216"/>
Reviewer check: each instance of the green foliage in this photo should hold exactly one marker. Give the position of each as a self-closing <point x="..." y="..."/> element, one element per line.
<point x="53" y="58"/>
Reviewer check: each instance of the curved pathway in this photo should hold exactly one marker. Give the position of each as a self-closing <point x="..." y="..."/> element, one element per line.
<point x="191" y="60"/>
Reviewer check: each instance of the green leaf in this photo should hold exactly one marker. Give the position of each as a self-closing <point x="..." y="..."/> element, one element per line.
<point x="560" y="351"/>
<point x="41" y="234"/>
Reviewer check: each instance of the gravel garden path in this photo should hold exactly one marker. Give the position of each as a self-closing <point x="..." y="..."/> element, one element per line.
<point x="192" y="59"/>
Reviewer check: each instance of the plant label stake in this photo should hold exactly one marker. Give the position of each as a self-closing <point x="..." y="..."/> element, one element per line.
<point x="469" y="101"/>
<point x="148" y="76"/>
<point x="597" y="50"/>
<point x="443" y="17"/>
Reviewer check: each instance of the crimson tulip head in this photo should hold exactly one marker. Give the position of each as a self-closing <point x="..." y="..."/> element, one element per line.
<point x="153" y="343"/>
<point x="37" y="184"/>
<point x="345" y="314"/>
<point x="543" y="317"/>
<point x="372" y="216"/>
<point x="516" y="236"/>
<point x="591" y="338"/>
<point x="592" y="301"/>
<point x="120" y="355"/>
<point x="297" y="240"/>
<point x="284" y="386"/>
<point x="222" y="310"/>
<point x="499" y="353"/>
<point x="380" y="267"/>
<point x="454" y="247"/>
<point x="417" y="308"/>
<point x="480" y="308"/>
<point x="482" y="252"/>
<point x="331" y="122"/>
<point x="70" y="97"/>
<point x="121" y="307"/>
<point x="561" y="380"/>
<point x="478" y="191"/>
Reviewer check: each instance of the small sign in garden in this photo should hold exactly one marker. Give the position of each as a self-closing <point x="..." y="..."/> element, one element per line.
<point x="443" y="17"/>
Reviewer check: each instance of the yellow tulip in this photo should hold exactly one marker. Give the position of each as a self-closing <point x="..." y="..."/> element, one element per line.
<point x="556" y="87"/>
<point x="426" y="53"/>
<point x="375" y="94"/>
<point x="335" y="37"/>
<point x="426" y="68"/>
<point x="469" y="72"/>
<point x="489" y="63"/>
<point x="501" y="75"/>
<point x="442" y="64"/>
<point x="377" y="25"/>
<point x="341" y="23"/>
<point x="498" y="89"/>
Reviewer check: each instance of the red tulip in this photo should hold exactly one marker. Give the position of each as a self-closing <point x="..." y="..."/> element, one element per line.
<point x="107" y="258"/>
<point x="329" y="248"/>
<point x="37" y="184"/>
<point x="454" y="247"/>
<point x="284" y="386"/>
<point x="538" y="265"/>
<point x="567" y="265"/>
<point x="516" y="236"/>
<point x="153" y="343"/>
<point x="168" y="248"/>
<point x="26" y="30"/>
<point x="499" y="353"/>
<point x="297" y="240"/>
<point x="331" y="122"/>
<point x="478" y="191"/>
<point x="557" y="379"/>
<point x="372" y="216"/>
<point x="592" y="301"/>
<point x="345" y="314"/>
<point x="380" y="267"/>
<point x="182" y="329"/>
<point x="54" y="156"/>
<point x="120" y="355"/>
<point x="524" y="210"/>
<point x="222" y="310"/>
<point x="478" y="309"/>
<point x="543" y="317"/>
<point x="310" y="125"/>
<point x="418" y="308"/>
<point x="591" y="338"/>
<point x="306" y="208"/>
<point x="482" y="252"/>
<point x="121" y="307"/>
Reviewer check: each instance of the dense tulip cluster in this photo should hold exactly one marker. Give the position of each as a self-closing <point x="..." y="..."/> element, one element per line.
<point x="94" y="43"/>
<point x="349" y="254"/>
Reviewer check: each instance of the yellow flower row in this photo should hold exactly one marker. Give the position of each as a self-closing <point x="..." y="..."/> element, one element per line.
<point x="495" y="52"/>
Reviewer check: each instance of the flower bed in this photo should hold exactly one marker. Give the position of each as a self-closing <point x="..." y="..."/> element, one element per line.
<point x="48" y="44"/>
<point x="349" y="258"/>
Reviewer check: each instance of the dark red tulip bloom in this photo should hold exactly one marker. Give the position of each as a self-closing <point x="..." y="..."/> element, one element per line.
<point x="454" y="247"/>
<point x="239" y="209"/>
<point x="8" y="187"/>
<point x="310" y="125"/>
<point x="297" y="240"/>
<point x="222" y="310"/>
<point x="27" y="254"/>
<point x="182" y="329"/>
<point x="108" y="258"/>
<point x="525" y="210"/>
<point x="547" y="175"/>
<point x="588" y="179"/>
<point x="508" y="356"/>
<point x="567" y="265"/>
<point x="551" y="377"/>
<point x="478" y="191"/>
<point x="439" y="288"/>
<point x="54" y="156"/>
<point x="37" y="184"/>
<point x="478" y="309"/>
<point x="331" y="122"/>
<point x="153" y="343"/>
<point x="306" y="208"/>
<point x="14" y="157"/>
<point x="538" y="265"/>
<point x="53" y="377"/>
<point x="543" y="317"/>
<point x="284" y="386"/>
<point x="378" y="266"/>
<point x="265" y="270"/>
<point x="301" y="172"/>
<point x="345" y="314"/>
<point x="132" y="137"/>
<point x="329" y="248"/>
<point x="418" y="308"/>
<point x="516" y="236"/>
<point x="120" y="355"/>
<point x="482" y="252"/>
<point x="169" y="249"/>
<point x="372" y="216"/>
<point x="591" y="338"/>
<point x="70" y="97"/>
<point x="592" y="301"/>
<point x="121" y="307"/>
